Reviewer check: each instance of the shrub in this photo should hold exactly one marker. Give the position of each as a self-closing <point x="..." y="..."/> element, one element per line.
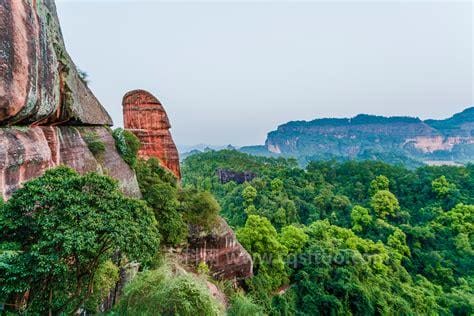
<point x="199" y="208"/>
<point x="127" y="145"/>
<point x="160" y="292"/>
<point x="95" y="145"/>
<point x="202" y="268"/>
<point x="242" y="305"/>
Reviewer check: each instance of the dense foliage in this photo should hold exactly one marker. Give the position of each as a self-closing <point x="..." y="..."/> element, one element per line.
<point x="63" y="237"/>
<point x="175" y="209"/>
<point x="127" y="145"/>
<point x="162" y="292"/>
<point x="349" y="238"/>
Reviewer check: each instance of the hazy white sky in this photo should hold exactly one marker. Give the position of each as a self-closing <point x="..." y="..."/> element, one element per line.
<point x="229" y="72"/>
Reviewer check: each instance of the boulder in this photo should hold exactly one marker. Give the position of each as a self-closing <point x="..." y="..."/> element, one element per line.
<point x="220" y="249"/>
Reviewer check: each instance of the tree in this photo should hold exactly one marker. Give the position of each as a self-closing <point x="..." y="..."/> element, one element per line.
<point x="276" y="185"/>
<point x="260" y="238"/>
<point x="293" y="238"/>
<point x="361" y="219"/>
<point x="199" y="208"/>
<point x="66" y="226"/>
<point x="385" y="203"/>
<point x="380" y="183"/>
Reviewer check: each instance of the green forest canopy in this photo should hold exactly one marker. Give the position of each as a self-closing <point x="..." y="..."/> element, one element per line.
<point x="349" y="238"/>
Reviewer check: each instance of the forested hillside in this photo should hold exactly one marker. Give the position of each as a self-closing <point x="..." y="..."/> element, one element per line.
<point x="348" y="238"/>
<point x="406" y="140"/>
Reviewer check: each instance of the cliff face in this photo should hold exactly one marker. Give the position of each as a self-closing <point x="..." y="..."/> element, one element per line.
<point x="52" y="109"/>
<point x="25" y="153"/>
<point x="221" y="251"/>
<point x="366" y="137"/>
<point x="145" y="116"/>
<point x="39" y="83"/>
<point x="48" y="115"/>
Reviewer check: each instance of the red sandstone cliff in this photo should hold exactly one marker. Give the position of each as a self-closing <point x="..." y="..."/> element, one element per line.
<point x="145" y="116"/>
<point x="39" y="83"/>
<point x="46" y="112"/>
<point x="42" y="94"/>
<point x="221" y="251"/>
<point x="25" y="153"/>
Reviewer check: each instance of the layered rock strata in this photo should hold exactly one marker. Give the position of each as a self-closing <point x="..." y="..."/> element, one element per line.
<point x="39" y="83"/>
<point x="25" y="153"/>
<point x="144" y="115"/>
<point x="225" y="256"/>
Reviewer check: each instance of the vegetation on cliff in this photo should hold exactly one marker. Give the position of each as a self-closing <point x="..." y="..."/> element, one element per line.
<point x="349" y="238"/>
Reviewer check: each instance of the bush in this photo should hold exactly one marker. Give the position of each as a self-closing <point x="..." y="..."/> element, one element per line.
<point x="127" y="145"/>
<point x="242" y="305"/>
<point x="199" y="208"/>
<point x="160" y="292"/>
<point x="95" y="145"/>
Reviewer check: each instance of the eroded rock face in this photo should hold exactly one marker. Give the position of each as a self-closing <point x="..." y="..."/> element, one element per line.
<point x="225" y="256"/>
<point x="39" y="83"/>
<point x="26" y="153"/>
<point x="145" y="116"/>
<point x="225" y="176"/>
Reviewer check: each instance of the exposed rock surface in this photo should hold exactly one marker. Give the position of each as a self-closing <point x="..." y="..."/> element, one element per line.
<point x="39" y="83"/>
<point x="145" y="116"/>
<point x="222" y="252"/>
<point x="225" y="176"/>
<point x="41" y="91"/>
<point x="25" y="153"/>
<point x="375" y="137"/>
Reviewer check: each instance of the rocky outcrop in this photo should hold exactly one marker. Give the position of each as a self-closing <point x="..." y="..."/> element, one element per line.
<point x="225" y="256"/>
<point x="25" y="153"/>
<point x="393" y="139"/>
<point x="225" y="176"/>
<point x="46" y="109"/>
<point x="145" y="116"/>
<point x="39" y="83"/>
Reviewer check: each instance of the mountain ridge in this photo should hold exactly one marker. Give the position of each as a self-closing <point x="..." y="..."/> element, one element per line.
<point x="392" y="139"/>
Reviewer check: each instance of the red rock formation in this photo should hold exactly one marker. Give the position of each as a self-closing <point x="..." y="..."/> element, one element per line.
<point x="145" y="116"/>
<point x="26" y="153"/>
<point x="39" y="83"/>
<point x="222" y="252"/>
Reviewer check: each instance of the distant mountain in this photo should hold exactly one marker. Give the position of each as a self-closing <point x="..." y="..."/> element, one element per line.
<point x="406" y="140"/>
<point x="189" y="150"/>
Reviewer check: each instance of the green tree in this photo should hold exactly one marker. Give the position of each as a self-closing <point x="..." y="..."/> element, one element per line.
<point x="385" y="203"/>
<point x="293" y="238"/>
<point x="199" y="208"/>
<point x="361" y="219"/>
<point x="276" y="185"/>
<point x="380" y="183"/>
<point x="66" y="226"/>
<point x="260" y="238"/>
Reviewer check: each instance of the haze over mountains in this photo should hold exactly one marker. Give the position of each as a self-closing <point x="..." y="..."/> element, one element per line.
<point x="407" y="140"/>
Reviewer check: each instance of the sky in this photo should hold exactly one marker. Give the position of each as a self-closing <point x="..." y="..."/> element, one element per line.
<point x="230" y="72"/>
